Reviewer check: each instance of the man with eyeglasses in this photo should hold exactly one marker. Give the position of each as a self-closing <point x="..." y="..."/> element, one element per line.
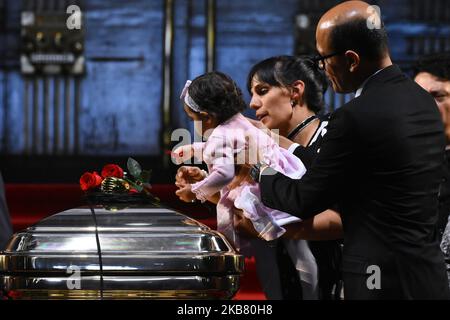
<point x="381" y="161"/>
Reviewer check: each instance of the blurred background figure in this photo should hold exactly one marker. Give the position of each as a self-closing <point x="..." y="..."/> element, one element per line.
<point x="5" y="223"/>
<point x="432" y="72"/>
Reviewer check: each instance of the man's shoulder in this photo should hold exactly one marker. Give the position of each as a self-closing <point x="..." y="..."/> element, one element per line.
<point x="391" y="97"/>
<point x="362" y="102"/>
<point x="372" y="101"/>
<point x="345" y="110"/>
<point x="360" y="111"/>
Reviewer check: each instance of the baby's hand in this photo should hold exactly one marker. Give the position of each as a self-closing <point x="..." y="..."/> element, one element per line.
<point x="187" y="175"/>
<point x="182" y="154"/>
<point x="185" y="194"/>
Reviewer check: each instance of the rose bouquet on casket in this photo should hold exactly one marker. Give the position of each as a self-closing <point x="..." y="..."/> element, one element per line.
<point x="114" y="185"/>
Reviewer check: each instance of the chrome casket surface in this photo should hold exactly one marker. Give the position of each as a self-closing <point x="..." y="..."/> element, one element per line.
<point x="146" y="252"/>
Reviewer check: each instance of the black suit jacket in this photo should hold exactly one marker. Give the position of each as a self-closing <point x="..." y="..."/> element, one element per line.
<point x="5" y="223"/>
<point x="381" y="160"/>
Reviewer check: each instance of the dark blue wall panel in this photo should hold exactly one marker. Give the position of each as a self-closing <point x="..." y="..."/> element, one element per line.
<point x="121" y="92"/>
<point x="249" y="31"/>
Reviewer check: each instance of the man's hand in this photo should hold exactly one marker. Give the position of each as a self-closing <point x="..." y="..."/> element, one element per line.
<point x="185" y="193"/>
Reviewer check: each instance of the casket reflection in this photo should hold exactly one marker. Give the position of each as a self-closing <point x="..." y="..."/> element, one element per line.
<point x="142" y="252"/>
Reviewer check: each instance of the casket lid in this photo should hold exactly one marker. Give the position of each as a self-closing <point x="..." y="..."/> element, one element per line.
<point x="148" y="240"/>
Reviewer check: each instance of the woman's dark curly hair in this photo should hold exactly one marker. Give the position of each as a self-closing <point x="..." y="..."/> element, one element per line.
<point x="283" y="71"/>
<point x="217" y="94"/>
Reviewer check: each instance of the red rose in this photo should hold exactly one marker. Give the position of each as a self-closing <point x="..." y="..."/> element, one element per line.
<point x="90" y="181"/>
<point x="112" y="170"/>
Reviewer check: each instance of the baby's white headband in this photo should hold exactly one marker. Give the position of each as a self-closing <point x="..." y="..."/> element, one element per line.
<point x="187" y="98"/>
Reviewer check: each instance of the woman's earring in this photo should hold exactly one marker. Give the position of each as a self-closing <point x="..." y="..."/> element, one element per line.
<point x="293" y="103"/>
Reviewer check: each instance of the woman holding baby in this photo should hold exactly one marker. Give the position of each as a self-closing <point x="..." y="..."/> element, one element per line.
<point x="287" y="94"/>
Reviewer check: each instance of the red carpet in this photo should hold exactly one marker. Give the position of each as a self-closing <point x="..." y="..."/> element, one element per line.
<point x="29" y="203"/>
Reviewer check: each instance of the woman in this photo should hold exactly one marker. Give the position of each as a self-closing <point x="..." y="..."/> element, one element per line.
<point x="287" y="94"/>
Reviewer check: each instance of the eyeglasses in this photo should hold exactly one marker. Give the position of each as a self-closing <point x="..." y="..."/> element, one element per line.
<point x="320" y="60"/>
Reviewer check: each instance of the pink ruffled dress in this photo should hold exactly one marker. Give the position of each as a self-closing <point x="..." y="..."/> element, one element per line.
<point x="219" y="152"/>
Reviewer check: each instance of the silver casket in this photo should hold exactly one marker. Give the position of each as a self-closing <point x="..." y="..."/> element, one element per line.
<point x="139" y="252"/>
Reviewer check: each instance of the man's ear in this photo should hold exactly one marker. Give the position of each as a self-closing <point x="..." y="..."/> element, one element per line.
<point x="298" y="88"/>
<point x="353" y="60"/>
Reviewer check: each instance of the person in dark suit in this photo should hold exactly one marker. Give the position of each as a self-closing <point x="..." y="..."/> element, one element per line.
<point x="380" y="160"/>
<point x="432" y="72"/>
<point x="5" y="223"/>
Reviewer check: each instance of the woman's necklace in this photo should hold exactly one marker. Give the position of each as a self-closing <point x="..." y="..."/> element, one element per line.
<point x="300" y="127"/>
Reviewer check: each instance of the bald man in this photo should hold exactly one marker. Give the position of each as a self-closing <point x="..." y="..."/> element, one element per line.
<point x="381" y="160"/>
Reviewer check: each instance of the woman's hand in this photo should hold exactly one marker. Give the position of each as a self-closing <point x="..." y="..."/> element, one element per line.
<point x="185" y="193"/>
<point x="326" y="225"/>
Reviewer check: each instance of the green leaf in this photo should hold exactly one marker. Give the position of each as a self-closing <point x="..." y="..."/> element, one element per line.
<point x="134" y="167"/>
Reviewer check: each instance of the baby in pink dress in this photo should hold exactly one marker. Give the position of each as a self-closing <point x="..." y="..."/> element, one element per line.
<point x="221" y="152"/>
<point x="218" y="112"/>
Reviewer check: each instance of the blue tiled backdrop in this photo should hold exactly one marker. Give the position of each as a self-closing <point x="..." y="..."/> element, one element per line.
<point x="121" y="99"/>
